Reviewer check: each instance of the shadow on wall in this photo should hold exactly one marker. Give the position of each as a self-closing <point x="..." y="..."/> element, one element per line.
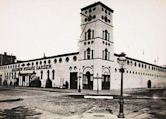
<point x="19" y="112"/>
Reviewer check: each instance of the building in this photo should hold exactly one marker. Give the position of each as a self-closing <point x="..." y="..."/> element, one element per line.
<point x="94" y="66"/>
<point x="7" y="59"/>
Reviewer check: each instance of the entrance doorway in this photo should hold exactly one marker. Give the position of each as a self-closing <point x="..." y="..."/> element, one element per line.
<point x="73" y="80"/>
<point x="88" y="81"/>
<point x="149" y="84"/>
<point x="48" y="83"/>
<point x="17" y="82"/>
<point x="106" y="82"/>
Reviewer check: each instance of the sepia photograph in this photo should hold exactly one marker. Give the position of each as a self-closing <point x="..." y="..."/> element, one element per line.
<point x="83" y="59"/>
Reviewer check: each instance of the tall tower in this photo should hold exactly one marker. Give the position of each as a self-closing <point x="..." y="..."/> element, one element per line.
<point x="96" y="50"/>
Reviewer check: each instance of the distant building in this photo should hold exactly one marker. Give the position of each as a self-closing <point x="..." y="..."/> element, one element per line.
<point x="94" y="66"/>
<point x="7" y="59"/>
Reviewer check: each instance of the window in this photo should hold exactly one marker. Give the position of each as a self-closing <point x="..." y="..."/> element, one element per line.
<point x="106" y="54"/>
<point x="55" y="60"/>
<point x="67" y="59"/>
<point x="44" y="61"/>
<point x="49" y="61"/>
<point x="106" y="19"/>
<point x="89" y="34"/>
<point x="135" y="64"/>
<point x="94" y="16"/>
<point x="40" y="62"/>
<point x="106" y="35"/>
<point x="74" y="58"/>
<point x="60" y="60"/>
<point x="53" y="74"/>
<point x="127" y="62"/>
<point x="88" y="53"/>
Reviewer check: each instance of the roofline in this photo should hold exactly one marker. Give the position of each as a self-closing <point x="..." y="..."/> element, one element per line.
<point x="62" y="55"/>
<point x="140" y="61"/>
<point x="96" y="3"/>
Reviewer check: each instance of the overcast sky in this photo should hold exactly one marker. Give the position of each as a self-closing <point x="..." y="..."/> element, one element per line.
<point x="30" y="28"/>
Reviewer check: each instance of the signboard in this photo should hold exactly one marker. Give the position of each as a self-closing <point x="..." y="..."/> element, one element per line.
<point x="32" y="68"/>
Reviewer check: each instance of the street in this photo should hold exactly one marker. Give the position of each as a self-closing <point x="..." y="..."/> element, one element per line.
<point x="45" y="103"/>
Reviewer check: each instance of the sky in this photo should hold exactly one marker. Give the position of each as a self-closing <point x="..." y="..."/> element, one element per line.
<point x="30" y="28"/>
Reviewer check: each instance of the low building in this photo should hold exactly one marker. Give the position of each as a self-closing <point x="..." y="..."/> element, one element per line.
<point x="7" y="59"/>
<point x="94" y="66"/>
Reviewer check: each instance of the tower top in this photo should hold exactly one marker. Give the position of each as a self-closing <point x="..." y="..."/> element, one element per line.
<point x="95" y="4"/>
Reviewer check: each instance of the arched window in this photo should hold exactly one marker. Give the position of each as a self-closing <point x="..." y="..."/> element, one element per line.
<point x="89" y="34"/>
<point x="106" y="34"/>
<point x="92" y="54"/>
<point x="41" y="75"/>
<point x="48" y="74"/>
<point x="88" y="53"/>
<point x="53" y="74"/>
<point x="106" y="54"/>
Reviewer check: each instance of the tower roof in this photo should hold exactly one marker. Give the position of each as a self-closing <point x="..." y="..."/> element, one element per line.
<point x="97" y="3"/>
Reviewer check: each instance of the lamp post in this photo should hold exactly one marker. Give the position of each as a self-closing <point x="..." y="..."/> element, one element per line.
<point x="79" y="87"/>
<point x="122" y="62"/>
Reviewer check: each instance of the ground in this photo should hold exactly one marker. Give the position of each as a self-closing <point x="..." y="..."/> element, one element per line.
<point x="44" y="103"/>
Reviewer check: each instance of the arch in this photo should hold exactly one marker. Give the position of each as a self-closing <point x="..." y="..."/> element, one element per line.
<point x="88" y="53"/>
<point x="89" y="34"/>
<point x="48" y="83"/>
<point x="106" y="34"/>
<point x="149" y="84"/>
<point x="5" y="83"/>
<point x="86" y="69"/>
<point x="106" y="54"/>
<point x="106" y="71"/>
<point x="106" y="78"/>
<point x="88" y="80"/>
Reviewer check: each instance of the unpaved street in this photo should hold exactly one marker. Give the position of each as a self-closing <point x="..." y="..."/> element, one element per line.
<point x="41" y="103"/>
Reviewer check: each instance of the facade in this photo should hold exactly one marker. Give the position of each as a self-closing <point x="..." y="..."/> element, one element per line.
<point x="6" y="59"/>
<point x="94" y="66"/>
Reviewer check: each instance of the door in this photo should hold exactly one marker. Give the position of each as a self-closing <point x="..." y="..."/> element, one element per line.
<point x="149" y="84"/>
<point x="106" y="82"/>
<point x="73" y="80"/>
<point x="88" y="81"/>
